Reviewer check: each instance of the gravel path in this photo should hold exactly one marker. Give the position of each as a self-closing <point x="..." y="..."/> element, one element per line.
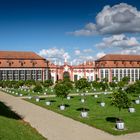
<point x="57" y="127"/>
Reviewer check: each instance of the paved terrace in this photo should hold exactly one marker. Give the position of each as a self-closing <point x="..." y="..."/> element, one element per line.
<point x="55" y="126"/>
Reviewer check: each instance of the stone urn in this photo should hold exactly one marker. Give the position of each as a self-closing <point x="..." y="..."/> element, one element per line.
<point x="82" y="100"/>
<point x="120" y="125"/>
<point x="102" y="104"/>
<point x="131" y="109"/>
<point x="48" y="103"/>
<point x="137" y="101"/>
<point x="37" y="99"/>
<point x="20" y="94"/>
<point x="84" y="114"/>
<point x="68" y="97"/>
<point x="62" y="107"/>
<point x="96" y="96"/>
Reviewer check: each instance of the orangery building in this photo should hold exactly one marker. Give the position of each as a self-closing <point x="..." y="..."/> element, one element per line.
<point x="30" y="66"/>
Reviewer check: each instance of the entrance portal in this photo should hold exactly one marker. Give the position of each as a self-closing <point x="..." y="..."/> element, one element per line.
<point x="66" y="75"/>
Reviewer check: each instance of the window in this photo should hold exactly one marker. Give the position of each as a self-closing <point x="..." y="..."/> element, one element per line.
<point x="75" y="77"/>
<point x="102" y="73"/>
<point x="136" y="74"/>
<point x="91" y="78"/>
<point x="9" y="75"/>
<point x="28" y="74"/>
<point x="39" y="75"/>
<point x="113" y="73"/>
<point x="132" y="74"/>
<point x="120" y="74"/>
<point x="4" y="75"/>
<point x="125" y="72"/>
<point x="116" y="73"/>
<point x="106" y="74"/>
<point x="34" y="74"/>
<point x="16" y="75"/>
<point x="22" y="75"/>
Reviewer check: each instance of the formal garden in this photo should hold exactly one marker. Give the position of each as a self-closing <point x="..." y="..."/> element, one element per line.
<point x="12" y="127"/>
<point x="116" y="112"/>
<point x="37" y="88"/>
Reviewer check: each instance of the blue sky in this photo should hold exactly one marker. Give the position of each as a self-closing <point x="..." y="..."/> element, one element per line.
<point x="60" y="28"/>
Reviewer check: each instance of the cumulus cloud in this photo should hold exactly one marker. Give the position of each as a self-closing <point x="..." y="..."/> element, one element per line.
<point x="57" y="55"/>
<point x="120" y="41"/>
<point x="118" y="19"/>
<point x="100" y="54"/>
<point x="54" y="53"/>
<point x="134" y="50"/>
<point x="77" y="52"/>
<point x="87" y="50"/>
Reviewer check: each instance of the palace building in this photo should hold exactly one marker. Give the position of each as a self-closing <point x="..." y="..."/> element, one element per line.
<point x="116" y="65"/>
<point x="22" y="66"/>
<point x="28" y="65"/>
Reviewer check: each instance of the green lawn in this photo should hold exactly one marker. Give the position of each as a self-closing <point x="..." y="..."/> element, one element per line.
<point x="99" y="117"/>
<point x="26" y="93"/>
<point x="48" y="91"/>
<point x="12" y="127"/>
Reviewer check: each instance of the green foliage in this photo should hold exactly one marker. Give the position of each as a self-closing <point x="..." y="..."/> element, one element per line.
<point x="131" y="89"/>
<point x="104" y="85"/>
<point x="29" y="83"/>
<point x="21" y="82"/>
<point x="96" y="84"/>
<point x="120" y="99"/>
<point x="61" y="90"/>
<point x="38" y="88"/>
<point x="82" y="83"/>
<point x="134" y="88"/>
<point x="48" y="83"/>
<point x="126" y="79"/>
<point x="115" y="79"/>
<point x="112" y="84"/>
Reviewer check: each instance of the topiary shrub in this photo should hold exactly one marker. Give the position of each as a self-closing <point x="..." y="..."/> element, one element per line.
<point x="82" y="84"/>
<point x="120" y="100"/>
<point x="38" y="88"/>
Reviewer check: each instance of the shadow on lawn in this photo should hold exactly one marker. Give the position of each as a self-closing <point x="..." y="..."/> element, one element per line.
<point x="111" y="119"/>
<point x="66" y="105"/>
<point x="6" y="112"/>
<point x="81" y="109"/>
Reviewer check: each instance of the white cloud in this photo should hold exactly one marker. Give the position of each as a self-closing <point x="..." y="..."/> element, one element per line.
<point x="54" y="53"/>
<point x="100" y="54"/>
<point x="87" y="50"/>
<point x="58" y="55"/>
<point x="120" y="41"/>
<point x="77" y="52"/>
<point x="134" y="50"/>
<point x="120" y="18"/>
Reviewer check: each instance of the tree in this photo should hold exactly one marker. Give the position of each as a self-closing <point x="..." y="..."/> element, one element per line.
<point x="96" y="84"/>
<point x="120" y="100"/>
<point x="61" y="90"/>
<point x="131" y="89"/>
<point x="104" y="85"/>
<point x="126" y="80"/>
<point x="82" y="83"/>
<point x="38" y="88"/>
<point x="48" y="83"/>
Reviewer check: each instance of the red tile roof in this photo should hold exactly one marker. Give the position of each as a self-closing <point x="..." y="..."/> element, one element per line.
<point x="13" y="59"/>
<point x="18" y="55"/>
<point x="119" y="57"/>
<point x="118" y="61"/>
